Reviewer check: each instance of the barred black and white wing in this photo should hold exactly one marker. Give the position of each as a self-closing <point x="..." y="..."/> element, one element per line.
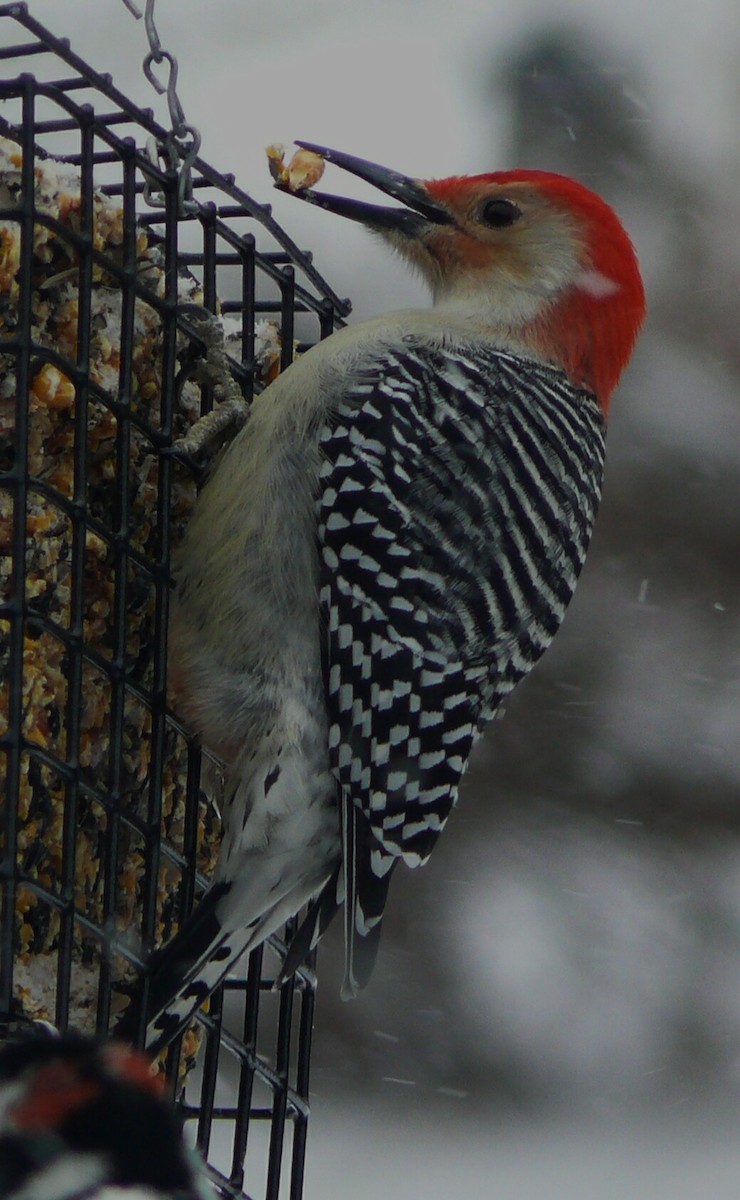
<point x="458" y="492"/>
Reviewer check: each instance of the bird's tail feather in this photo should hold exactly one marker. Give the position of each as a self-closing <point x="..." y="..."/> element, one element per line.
<point x="358" y="885"/>
<point x="184" y="973"/>
<point x="367" y="876"/>
<point x="320" y="914"/>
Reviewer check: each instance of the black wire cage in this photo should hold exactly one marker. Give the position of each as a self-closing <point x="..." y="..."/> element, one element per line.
<point x="108" y="269"/>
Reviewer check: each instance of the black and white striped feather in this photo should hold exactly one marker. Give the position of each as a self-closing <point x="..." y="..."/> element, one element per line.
<point x="458" y="494"/>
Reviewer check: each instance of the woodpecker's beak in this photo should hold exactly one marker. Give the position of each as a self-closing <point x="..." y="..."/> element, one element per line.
<point x="420" y="209"/>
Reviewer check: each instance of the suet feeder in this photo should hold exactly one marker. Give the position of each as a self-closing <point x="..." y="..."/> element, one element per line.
<point x="137" y="289"/>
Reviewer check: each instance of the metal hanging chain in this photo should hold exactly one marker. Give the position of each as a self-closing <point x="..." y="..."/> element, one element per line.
<point x="183" y="141"/>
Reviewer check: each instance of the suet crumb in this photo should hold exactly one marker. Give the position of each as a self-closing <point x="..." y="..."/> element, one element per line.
<point x="302" y="172"/>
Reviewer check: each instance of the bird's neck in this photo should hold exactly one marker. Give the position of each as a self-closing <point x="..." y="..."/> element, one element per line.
<point x="588" y="333"/>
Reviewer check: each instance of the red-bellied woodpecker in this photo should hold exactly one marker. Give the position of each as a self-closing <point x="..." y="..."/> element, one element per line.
<point x="81" y="1120"/>
<point x="386" y="548"/>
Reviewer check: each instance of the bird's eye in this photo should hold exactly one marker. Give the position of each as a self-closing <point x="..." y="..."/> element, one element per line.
<point x="499" y="213"/>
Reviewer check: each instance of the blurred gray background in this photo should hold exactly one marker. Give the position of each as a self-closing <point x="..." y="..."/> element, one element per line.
<point x="556" y="1007"/>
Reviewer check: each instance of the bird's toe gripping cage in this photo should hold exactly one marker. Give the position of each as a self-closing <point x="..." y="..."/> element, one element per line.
<point x="105" y="363"/>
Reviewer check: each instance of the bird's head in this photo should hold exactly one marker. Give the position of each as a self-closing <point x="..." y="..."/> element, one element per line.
<point x="536" y="258"/>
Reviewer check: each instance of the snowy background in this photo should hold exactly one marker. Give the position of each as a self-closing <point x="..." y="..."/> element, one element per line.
<point x="556" y="1010"/>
